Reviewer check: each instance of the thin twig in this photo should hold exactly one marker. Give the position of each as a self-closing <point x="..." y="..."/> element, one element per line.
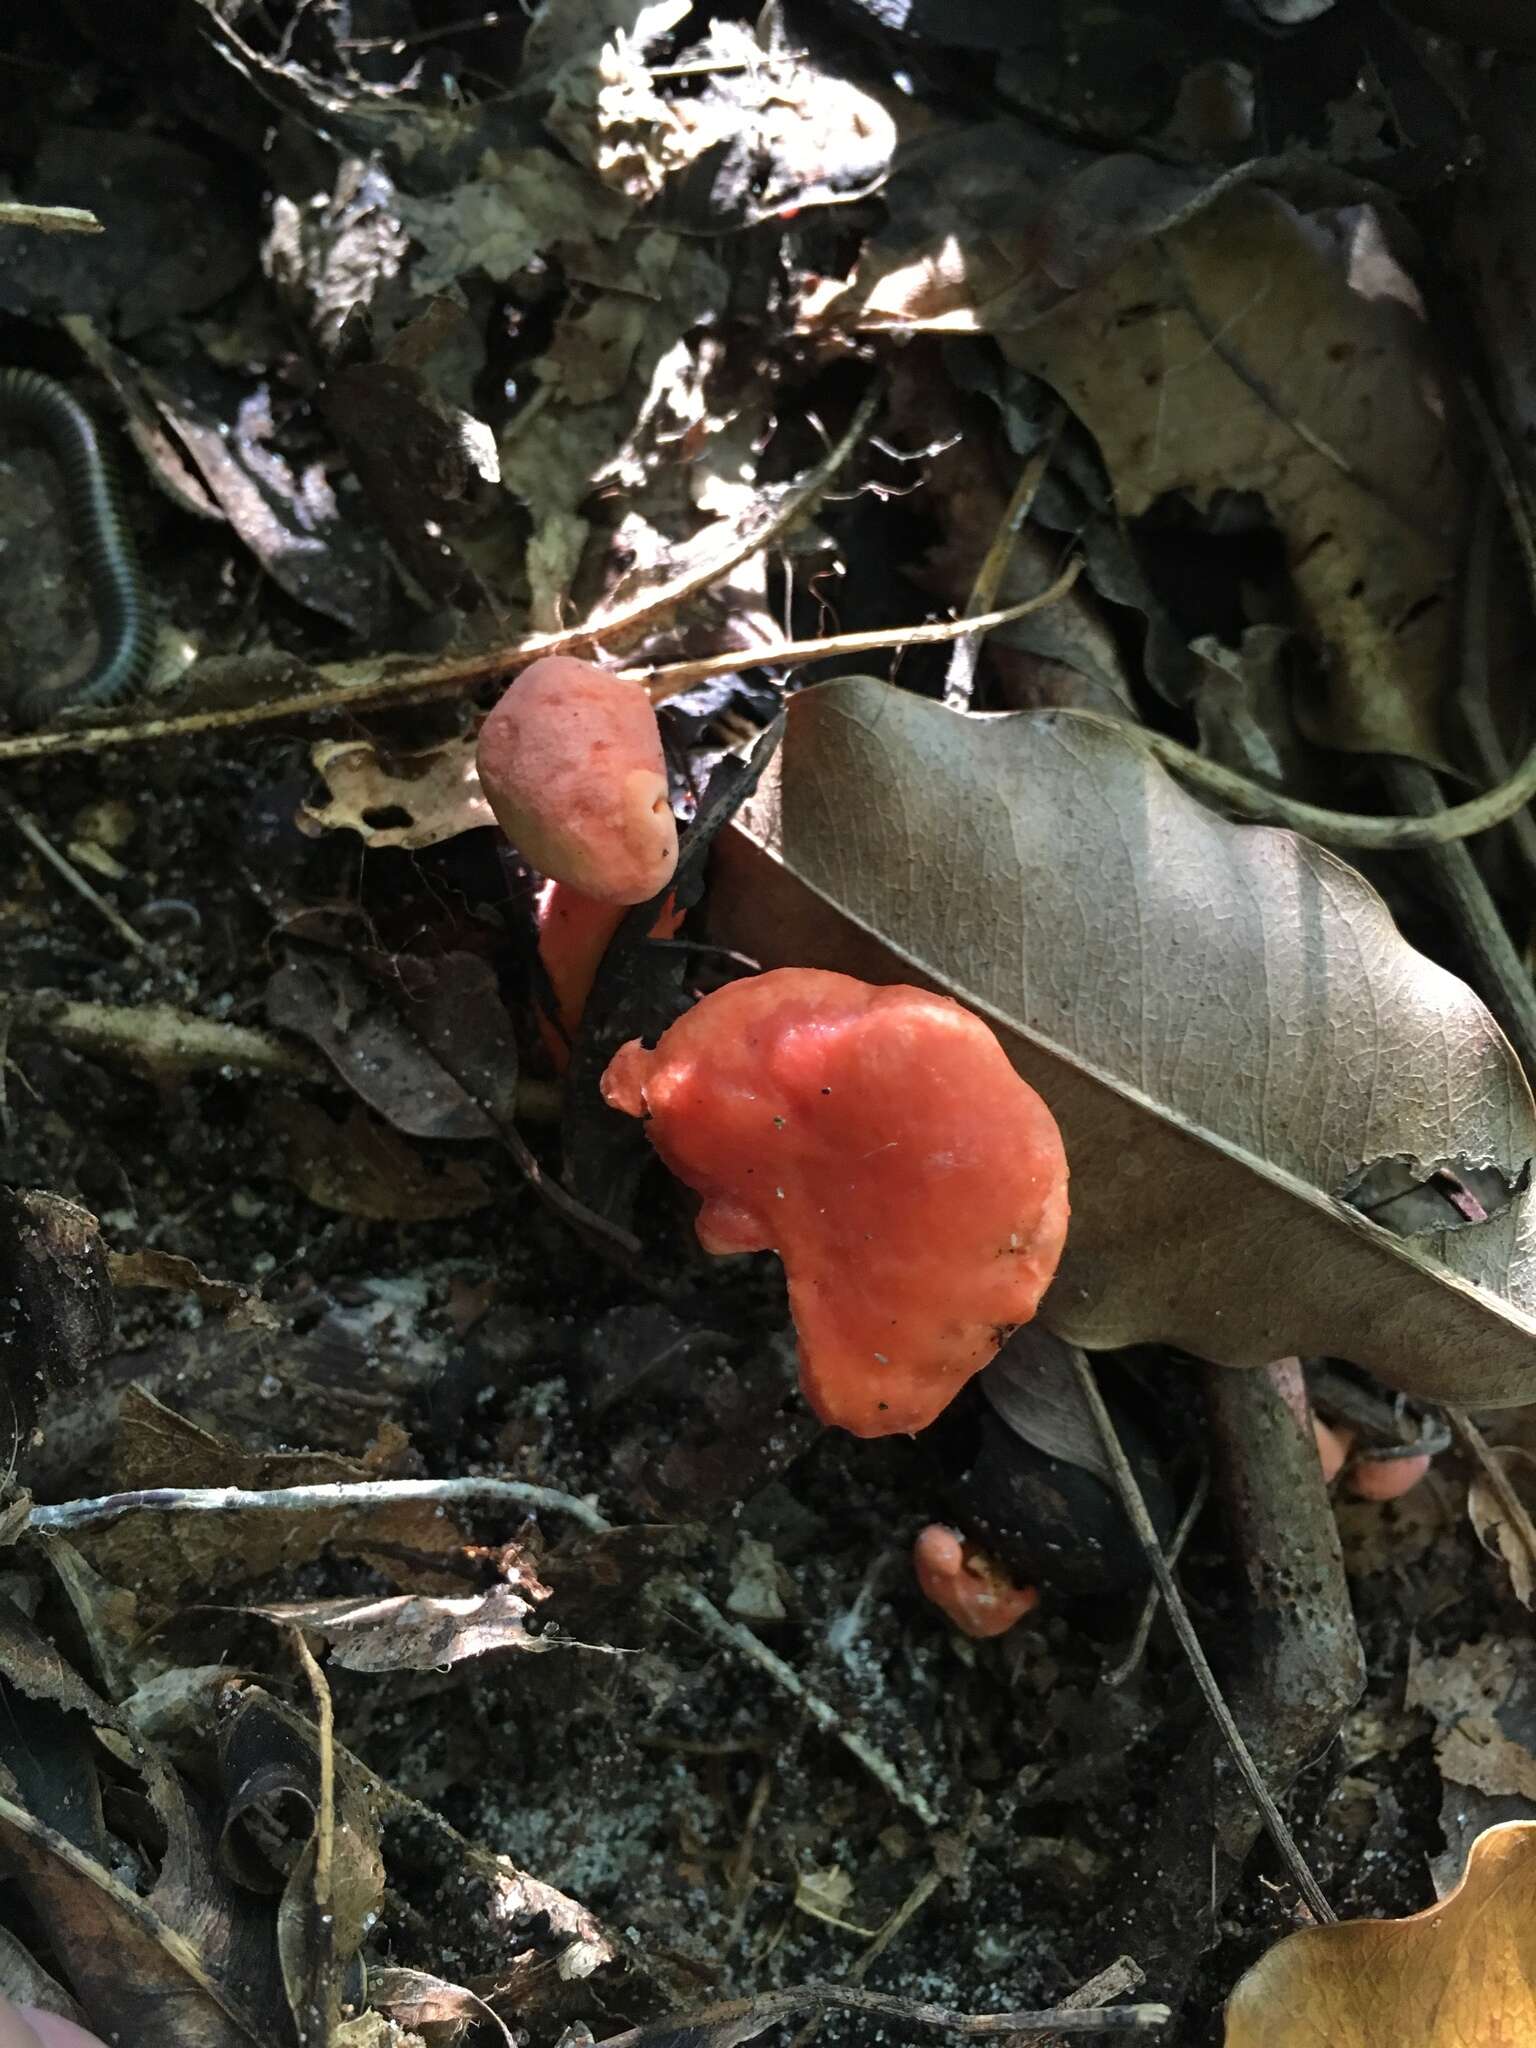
<point x="1503" y="979"/>
<point x="1117" y="1674"/>
<point x="1115" y="1979"/>
<point x="677" y="675"/>
<point x="49" y="220"/>
<point x="335" y="1497"/>
<point x="744" y="2017"/>
<point x="357" y="696"/>
<point x="1184" y="1628"/>
<point x="822" y="1712"/>
<point x="880" y="1941"/>
<point x="960" y="682"/>
<point x="37" y="839"/>
<point x="1500" y="1485"/>
<point x="1254" y="800"/>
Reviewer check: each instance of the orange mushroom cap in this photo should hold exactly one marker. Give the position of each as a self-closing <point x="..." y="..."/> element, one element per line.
<point x="570" y="761"/>
<point x="878" y="1139"/>
<point x="968" y="1585"/>
<point x="1386" y="1478"/>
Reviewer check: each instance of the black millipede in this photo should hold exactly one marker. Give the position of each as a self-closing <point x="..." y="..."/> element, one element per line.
<point x="125" y="620"/>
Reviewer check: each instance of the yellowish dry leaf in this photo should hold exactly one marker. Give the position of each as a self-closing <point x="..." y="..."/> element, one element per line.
<point x="1495" y="1530"/>
<point x="361" y="1168"/>
<point x="1461" y="1974"/>
<point x="1255" y="349"/>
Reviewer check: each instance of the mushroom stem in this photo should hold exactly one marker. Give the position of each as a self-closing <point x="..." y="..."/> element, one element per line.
<point x="575" y="931"/>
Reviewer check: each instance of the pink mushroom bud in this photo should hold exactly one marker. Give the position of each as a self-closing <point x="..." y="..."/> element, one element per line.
<point x="1386" y="1478"/>
<point x="970" y="1587"/>
<point x="571" y="762"/>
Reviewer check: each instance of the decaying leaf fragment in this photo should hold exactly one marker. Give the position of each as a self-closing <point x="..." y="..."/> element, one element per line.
<point x="409" y="800"/>
<point x="360" y="1168"/>
<point x="1223" y="1019"/>
<point x="1461" y="1974"/>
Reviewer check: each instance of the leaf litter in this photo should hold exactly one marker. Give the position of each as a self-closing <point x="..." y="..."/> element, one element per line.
<point x="605" y="326"/>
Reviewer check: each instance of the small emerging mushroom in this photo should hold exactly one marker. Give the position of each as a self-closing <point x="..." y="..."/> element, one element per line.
<point x="1366" y="1477"/>
<point x="571" y="763"/>
<point x="1386" y="1478"/>
<point x="969" y="1586"/>
<point x="879" y="1140"/>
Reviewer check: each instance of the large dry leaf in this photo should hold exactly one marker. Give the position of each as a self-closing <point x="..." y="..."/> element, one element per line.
<point x="990" y="223"/>
<point x="1461" y="1974"/>
<point x="1223" y="1017"/>
<point x="160" y="1966"/>
<point x="1253" y="349"/>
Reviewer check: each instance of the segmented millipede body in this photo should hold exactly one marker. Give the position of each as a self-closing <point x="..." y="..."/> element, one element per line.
<point x="124" y="616"/>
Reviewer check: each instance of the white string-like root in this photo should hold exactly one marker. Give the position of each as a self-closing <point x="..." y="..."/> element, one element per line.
<point x="334" y="1497"/>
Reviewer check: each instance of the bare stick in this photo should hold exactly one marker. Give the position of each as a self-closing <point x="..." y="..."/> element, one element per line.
<point x="744" y="2017"/>
<point x="822" y="1712"/>
<point x="1122" y="1975"/>
<point x="960" y="683"/>
<point x="35" y="837"/>
<point x="1184" y="1628"/>
<point x="1117" y="1674"/>
<point x="1254" y="800"/>
<point x="677" y="675"/>
<point x="50" y="220"/>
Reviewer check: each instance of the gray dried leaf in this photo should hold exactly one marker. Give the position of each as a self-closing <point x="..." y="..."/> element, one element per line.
<point x="1223" y="1018"/>
<point x="331" y="1002"/>
<point x="1031" y="1385"/>
<point x="416" y="1631"/>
